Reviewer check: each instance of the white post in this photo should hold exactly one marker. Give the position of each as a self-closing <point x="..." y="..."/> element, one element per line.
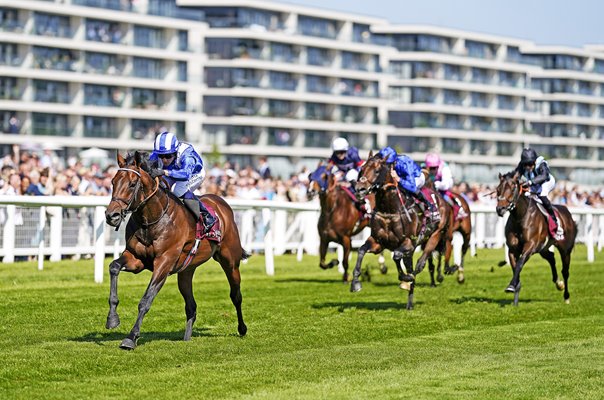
<point x="340" y="250"/>
<point x="268" y="245"/>
<point x="9" y="234"/>
<point x="311" y="236"/>
<point x="589" y="237"/>
<point x="480" y="229"/>
<point x="280" y="230"/>
<point x="56" y="232"/>
<point x="457" y="242"/>
<point x="116" y="248"/>
<point x="41" y="238"/>
<point x="600" y="232"/>
<point x="473" y="234"/>
<point x="99" y="243"/>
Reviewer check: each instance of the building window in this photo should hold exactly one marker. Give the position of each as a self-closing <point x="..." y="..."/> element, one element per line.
<point x="103" y="96"/>
<point x="319" y="139"/>
<point x="54" y="58"/>
<point x="147" y="98"/>
<point x="103" y="31"/>
<point x="51" y="91"/>
<point x="318" y="27"/>
<point x="147" y="68"/>
<point x="146" y="36"/>
<point x="100" y="127"/>
<point x="50" y="124"/>
<point x="52" y="25"/>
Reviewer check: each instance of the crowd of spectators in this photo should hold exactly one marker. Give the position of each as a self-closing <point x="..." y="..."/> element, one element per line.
<point x="44" y="173"/>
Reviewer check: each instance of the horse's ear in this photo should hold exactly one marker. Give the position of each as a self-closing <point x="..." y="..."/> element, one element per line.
<point x="120" y="160"/>
<point x="140" y="158"/>
<point x="500" y="177"/>
<point x="370" y="154"/>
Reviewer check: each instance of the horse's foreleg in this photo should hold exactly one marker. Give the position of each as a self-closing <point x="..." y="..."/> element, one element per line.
<point x="323" y="244"/>
<point x="515" y="285"/>
<point x="346" y="244"/>
<point x="185" y="286"/>
<point x="431" y="270"/>
<point x="369" y="245"/>
<point x="126" y="262"/>
<point x="157" y="281"/>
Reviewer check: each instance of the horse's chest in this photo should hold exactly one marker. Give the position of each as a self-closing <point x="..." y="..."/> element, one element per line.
<point x="388" y="231"/>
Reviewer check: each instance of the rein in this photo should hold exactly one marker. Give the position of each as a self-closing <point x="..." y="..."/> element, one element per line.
<point x="126" y="210"/>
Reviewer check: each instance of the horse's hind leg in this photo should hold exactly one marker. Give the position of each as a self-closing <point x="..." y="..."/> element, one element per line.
<point x="230" y="266"/>
<point x="565" y="256"/>
<point x="185" y="286"/>
<point x="551" y="259"/>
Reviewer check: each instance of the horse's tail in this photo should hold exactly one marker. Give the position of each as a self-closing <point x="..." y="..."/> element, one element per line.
<point x="245" y="255"/>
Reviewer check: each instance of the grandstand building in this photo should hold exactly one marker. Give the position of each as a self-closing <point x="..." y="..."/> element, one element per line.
<point x="251" y="78"/>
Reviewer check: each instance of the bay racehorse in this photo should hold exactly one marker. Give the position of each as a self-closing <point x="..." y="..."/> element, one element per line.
<point x="160" y="237"/>
<point x="526" y="233"/>
<point x="396" y="225"/>
<point x="462" y="223"/>
<point x="340" y="218"/>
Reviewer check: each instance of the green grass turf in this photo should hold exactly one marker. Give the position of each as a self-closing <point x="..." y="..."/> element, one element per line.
<point x="308" y="337"/>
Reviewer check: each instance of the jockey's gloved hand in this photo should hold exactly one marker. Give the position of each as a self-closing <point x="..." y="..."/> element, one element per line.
<point x="155" y="172"/>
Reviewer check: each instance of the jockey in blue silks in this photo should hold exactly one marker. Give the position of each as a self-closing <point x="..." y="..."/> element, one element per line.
<point x="345" y="161"/>
<point x="182" y="167"/>
<point x="409" y="177"/>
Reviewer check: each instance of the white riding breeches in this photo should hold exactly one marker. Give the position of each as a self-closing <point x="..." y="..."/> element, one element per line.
<point x="352" y="175"/>
<point x="179" y="188"/>
<point x="420" y="181"/>
<point x="548" y="186"/>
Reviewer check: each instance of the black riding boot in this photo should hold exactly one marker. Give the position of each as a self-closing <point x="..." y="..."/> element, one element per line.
<point x="208" y="219"/>
<point x="433" y="213"/>
<point x="199" y="210"/>
<point x="549" y="208"/>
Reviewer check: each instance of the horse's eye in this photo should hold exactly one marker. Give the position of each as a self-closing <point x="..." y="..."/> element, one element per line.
<point x="132" y="184"/>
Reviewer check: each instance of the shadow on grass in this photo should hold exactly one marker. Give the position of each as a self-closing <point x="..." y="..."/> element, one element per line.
<point x="309" y="280"/>
<point x="395" y="283"/>
<point x="363" y="305"/>
<point x="111" y="336"/>
<point x="481" y="299"/>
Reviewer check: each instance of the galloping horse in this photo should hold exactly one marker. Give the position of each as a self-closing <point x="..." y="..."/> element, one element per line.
<point x="160" y="237"/>
<point x="461" y="223"/>
<point x="339" y="219"/>
<point x="526" y="233"/>
<point x="396" y="225"/>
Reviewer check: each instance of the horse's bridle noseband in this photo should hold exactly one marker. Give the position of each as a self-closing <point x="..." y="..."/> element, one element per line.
<point x="515" y="196"/>
<point x="124" y="211"/>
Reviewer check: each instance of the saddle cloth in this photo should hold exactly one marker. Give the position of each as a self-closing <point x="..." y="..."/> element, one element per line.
<point x="551" y="224"/>
<point x="214" y="234"/>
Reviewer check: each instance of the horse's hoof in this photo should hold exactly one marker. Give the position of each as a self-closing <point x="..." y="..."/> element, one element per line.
<point x="406" y="278"/>
<point x="333" y="263"/>
<point x="461" y="278"/>
<point x="242" y="329"/>
<point x="128" y="344"/>
<point x="567" y="301"/>
<point x="560" y="285"/>
<point x="355" y="286"/>
<point x="440" y="278"/>
<point x="112" y="322"/>
<point x="323" y="266"/>
<point x="384" y="270"/>
<point x="405" y="285"/>
<point x="510" y="289"/>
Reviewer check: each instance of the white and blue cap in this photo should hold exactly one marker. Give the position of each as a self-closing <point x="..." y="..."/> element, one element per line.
<point x="166" y="143"/>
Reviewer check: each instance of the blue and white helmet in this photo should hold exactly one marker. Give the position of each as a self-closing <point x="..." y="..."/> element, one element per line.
<point x="166" y="143"/>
